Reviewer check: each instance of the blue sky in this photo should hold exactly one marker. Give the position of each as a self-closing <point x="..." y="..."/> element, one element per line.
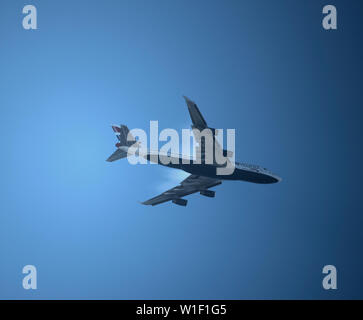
<point x="268" y="69"/>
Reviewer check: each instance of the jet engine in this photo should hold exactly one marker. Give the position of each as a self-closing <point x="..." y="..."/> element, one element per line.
<point x="208" y="193"/>
<point x="180" y="202"/>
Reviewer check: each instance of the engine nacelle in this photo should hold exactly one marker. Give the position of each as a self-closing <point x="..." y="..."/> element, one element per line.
<point x="208" y="193"/>
<point x="180" y="202"/>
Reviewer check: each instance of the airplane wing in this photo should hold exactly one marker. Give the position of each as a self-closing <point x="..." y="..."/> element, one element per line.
<point x="200" y="124"/>
<point x="191" y="184"/>
<point x="195" y="115"/>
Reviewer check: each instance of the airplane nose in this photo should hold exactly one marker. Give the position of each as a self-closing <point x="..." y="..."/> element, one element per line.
<point x="271" y="178"/>
<point x="276" y="179"/>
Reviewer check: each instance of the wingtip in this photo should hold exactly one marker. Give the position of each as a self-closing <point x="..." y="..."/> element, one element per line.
<point x="188" y="101"/>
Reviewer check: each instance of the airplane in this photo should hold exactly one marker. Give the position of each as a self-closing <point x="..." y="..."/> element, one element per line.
<point x="202" y="176"/>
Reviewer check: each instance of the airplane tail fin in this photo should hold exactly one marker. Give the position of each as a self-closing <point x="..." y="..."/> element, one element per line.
<point x="123" y="135"/>
<point x="126" y="140"/>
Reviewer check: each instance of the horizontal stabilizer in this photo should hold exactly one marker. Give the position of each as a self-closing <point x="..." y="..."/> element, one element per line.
<point x="118" y="154"/>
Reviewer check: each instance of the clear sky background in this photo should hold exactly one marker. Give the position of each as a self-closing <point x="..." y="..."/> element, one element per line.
<point x="292" y="91"/>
